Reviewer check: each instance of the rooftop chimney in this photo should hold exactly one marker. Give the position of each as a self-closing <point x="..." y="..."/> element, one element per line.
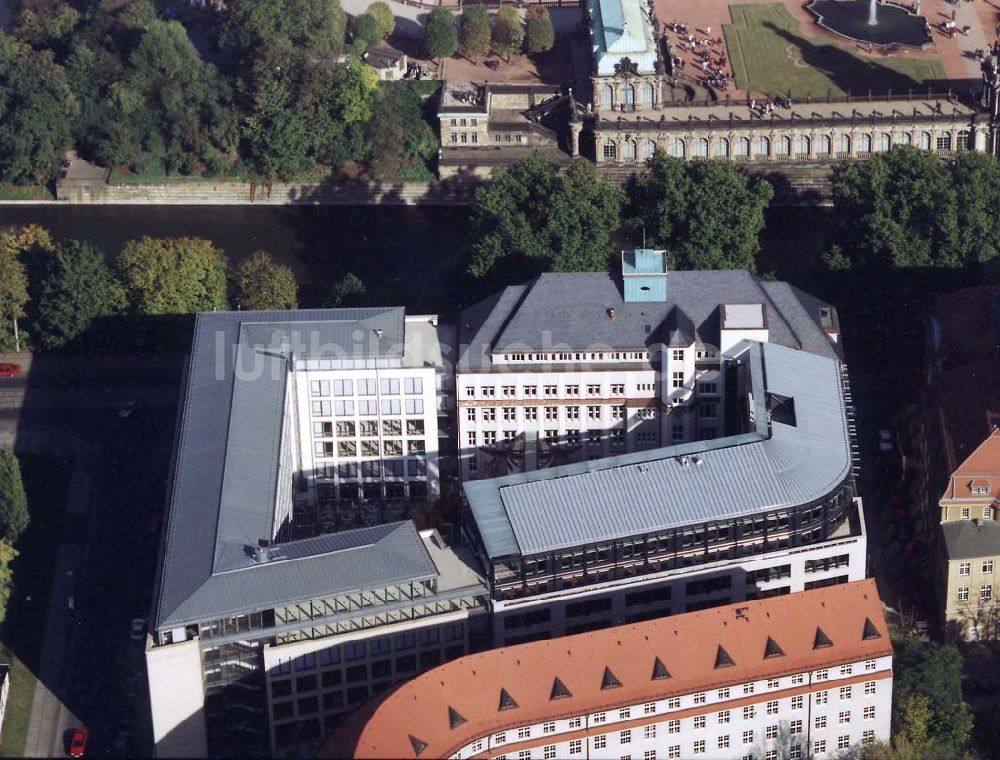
<point x="611" y="314"/>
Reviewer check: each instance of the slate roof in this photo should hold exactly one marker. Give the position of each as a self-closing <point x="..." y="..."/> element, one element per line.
<point x="224" y="475"/>
<point x="571" y="310"/>
<point x="778" y="465"/>
<point x="651" y="661"/>
<point x="969" y="539"/>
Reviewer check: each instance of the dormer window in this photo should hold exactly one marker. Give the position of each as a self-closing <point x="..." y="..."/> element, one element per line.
<point x="981" y="490"/>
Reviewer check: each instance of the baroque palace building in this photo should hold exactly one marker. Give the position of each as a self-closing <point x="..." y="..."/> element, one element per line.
<point x="639" y="104"/>
<point x="806" y="675"/>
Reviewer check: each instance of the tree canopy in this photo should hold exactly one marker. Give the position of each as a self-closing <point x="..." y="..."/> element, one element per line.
<point x="7" y="556"/>
<point x="14" y="241"/>
<point x="14" y="515"/>
<point x="318" y="25"/>
<point x="264" y="284"/>
<point x="367" y="32"/>
<point x="508" y="31"/>
<point x="541" y="36"/>
<point x="927" y="697"/>
<point x="173" y="275"/>
<point x="440" y="36"/>
<point x="533" y="218"/>
<point x="474" y="35"/>
<point x="74" y="287"/>
<point x="38" y="109"/>
<point x="403" y="144"/>
<point x="385" y="17"/>
<point x="348" y="291"/>
<point x="706" y="214"/>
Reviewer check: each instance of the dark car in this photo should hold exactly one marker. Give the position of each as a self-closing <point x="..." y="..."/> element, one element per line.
<point x="78" y="743"/>
<point x="10" y="370"/>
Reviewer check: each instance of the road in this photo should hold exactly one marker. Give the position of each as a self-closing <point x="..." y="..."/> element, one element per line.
<point x="91" y="674"/>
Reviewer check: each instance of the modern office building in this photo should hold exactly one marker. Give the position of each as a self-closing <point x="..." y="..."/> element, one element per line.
<point x="806" y="675"/>
<point x="291" y="582"/>
<point x="971" y="547"/>
<point x="571" y="367"/>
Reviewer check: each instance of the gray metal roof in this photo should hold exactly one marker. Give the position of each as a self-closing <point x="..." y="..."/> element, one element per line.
<point x="969" y="539"/>
<point x="570" y="309"/>
<point x="779" y="465"/>
<point x="224" y="483"/>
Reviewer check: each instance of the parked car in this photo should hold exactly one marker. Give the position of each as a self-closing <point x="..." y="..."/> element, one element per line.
<point x="885" y="442"/>
<point x="138" y="629"/>
<point x="10" y="370"/>
<point x="78" y="743"/>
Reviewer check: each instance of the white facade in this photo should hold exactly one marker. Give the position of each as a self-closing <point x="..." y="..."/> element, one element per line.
<point x="177" y="699"/>
<point x="815" y="714"/>
<point x="842" y="559"/>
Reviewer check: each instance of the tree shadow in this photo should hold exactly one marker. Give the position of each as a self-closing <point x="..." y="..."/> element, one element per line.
<point x="848" y="72"/>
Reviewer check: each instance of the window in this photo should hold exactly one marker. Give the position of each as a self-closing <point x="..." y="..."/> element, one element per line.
<point x="530" y="413"/>
<point x="964" y="568"/>
<point x="844" y="716"/>
<point x="572" y="412"/>
<point x="844" y="741"/>
<point x="649" y="754"/>
<point x="599" y="718"/>
<point x="699" y="699"/>
<point x="677" y="379"/>
<point x="748" y="712"/>
<point x="820" y="721"/>
<point x="699" y="747"/>
<point x="985" y="592"/>
<point x="674" y="703"/>
<point x="322" y="408"/>
<point x="797" y="703"/>
<point x="795" y="726"/>
<point x="741" y="149"/>
<point x="943" y="141"/>
<point x="822" y="675"/>
<point x="987" y="513"/>
<point x="845" y="692"/>
<point x="699" y="721"/>
<point x="869" y="713"/>
<point x="819" y="746"/>
<point x="720" y="149"/>
<point x="795" y="752"/>
<point x="748" y="736"/>
<point x="600" y="741"/>
<point x="625" y="737"/>
<point x="673" y="727"/>
<point x="870" y="665"/>
<point x="987" y="566"/>
<point x="648" y="149"/>
<point x="319" y="387"/>
<point x="724" y="716"/>
<point x="869" y="687"/>
<point x="772" y="707"/>
<point x="524" y="754"/>
<point x="820" y="698"/>
<point x="593" y="412"/>
<point x="798" y="679"/>
<point x="771" y="732"/>
<point x="966" y="513"/>
<point x="963" y="593"/>
<point x="674" y="752"/>
<point x="549" y="753"/>
<point x="724" y="741"/>
<point x="748" y="688"/>
<point x="548" y="728"/>
<point x="575" y="722"/>
<point x="649" y="708"/>
<point x="610" y="150"/>
<point x="576" y="747"/>
<point x="524" y="732"/>
<point x="723" y="693"/>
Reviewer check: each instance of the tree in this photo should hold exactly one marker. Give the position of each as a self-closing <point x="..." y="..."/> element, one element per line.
<point x="14" y="243"/>
<point x="706" y="214"/>
<point x="367" y="32"/>
<point x="933" y="673"/>
<point x="14" y="516"/>
<point x="74" y="287"/>
<point x="318" y="25"/>
<point x="474" y="32"/>
<point x="898" y="209"/>
<point x="7" y="556"/>
<point x="45" y="23"/>
<point x="38" y="110"/>
<point x="403" y="143"/>
<point x="347" y="292"/>
<point x="263" y="284"/>
<point x="385" y="17"/>
<point x="173" y="275"/>
<point x="533" y="218"/>
<point x="541" y="36"/>
<point x="508" y="32"/>
<point x="976" y="179"/>
<point x="275" y="134"/>
<point x="440" y="37"/>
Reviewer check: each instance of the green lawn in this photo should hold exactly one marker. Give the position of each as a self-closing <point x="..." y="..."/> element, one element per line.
<point x="10" y="192"/>
<point x="45" y="482"/>
<point x="771" y="55"/>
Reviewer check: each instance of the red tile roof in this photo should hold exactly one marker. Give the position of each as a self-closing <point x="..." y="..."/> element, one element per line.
<point x="632" y="664"/>
<point x="980" y="468"/>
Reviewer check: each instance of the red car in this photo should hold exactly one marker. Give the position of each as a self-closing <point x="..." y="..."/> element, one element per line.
<point x="10" y="370"/>
<point x="78" y="743"/>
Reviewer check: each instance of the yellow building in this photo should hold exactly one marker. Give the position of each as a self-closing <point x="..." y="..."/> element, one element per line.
<point x="971" y="545"/>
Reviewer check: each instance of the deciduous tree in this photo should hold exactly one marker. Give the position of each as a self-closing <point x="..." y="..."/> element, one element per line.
<point x="474" y="34"/>
<point x="14" y="243"/>
<point x="14" y="515"/>
<point x="534" y="218"/>
<point x="367" y="32"/>
<point x="508" y="31"/>
<point x="385" y="17"/>
<point x="74" y="287"/>
<point x="7" y="556"/>
<point x="348" y="291"/>
<point x="440" y="36"/>
<point x="264" y="284"/>
<point x="706" y="214"/>
<point x="174" y="275"/>
<point x="541" y="35"/>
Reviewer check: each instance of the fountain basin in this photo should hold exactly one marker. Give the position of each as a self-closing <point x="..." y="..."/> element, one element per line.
<point x="849" y="18"/>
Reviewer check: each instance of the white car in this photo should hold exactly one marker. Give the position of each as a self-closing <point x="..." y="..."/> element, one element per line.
<point x="138" y="629"/>
<point x="885" y="440"/>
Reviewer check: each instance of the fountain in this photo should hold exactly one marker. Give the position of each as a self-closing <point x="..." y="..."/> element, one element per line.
<point x="888" y="25"/>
